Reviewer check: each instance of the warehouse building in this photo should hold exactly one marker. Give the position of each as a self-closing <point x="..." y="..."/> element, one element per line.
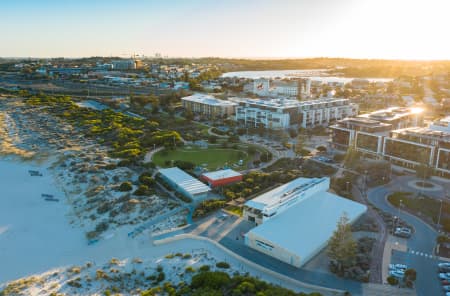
<point x="221" y="178"/>
<point x="184" y="183"/>
<point x="298" y="219"/>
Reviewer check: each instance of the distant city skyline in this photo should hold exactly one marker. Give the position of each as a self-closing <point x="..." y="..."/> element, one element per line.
<point x="382" y="29"/>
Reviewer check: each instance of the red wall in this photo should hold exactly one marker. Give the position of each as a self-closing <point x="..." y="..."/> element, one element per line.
<point x="221" y="182"/>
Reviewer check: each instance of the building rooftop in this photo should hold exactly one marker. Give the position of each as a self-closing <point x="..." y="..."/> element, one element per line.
<point x="280" y="194"/>
<point x="288" y="103"/>
<point x="362" y="121"/>
<point x="222" y="174"/>
<point x="392" y="113"/>
<point x="425" y="132"/>
<point x="184" y="180"/>
<point x="208" y="99"/>
<point x="307" y="226"/>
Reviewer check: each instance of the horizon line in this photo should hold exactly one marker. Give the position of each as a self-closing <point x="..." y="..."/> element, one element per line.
<point x="230" y="58"/>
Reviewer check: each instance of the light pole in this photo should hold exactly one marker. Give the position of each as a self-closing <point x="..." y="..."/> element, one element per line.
<point x="398" y="215"/>
<point x="440" y="213"/>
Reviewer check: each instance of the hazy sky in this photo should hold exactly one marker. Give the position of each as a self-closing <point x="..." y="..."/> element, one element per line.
<point x="406" y="29"/>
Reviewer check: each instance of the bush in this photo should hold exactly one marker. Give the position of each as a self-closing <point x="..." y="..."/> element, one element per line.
<point x="208" y="279"/>
<point x="125" y="186"/>
<point x="208" y="206"/>
<point x="321" y="148"/>
<point x="204" y="268"/>
<point x="161" y="277"/>
<point x="223" y="265"/>
<point x="142" y="190"/>
<point x="392" y="280"/>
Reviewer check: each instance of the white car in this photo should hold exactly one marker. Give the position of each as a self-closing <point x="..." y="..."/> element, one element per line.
<point x="447" y="294"/>
<point x="397" y="273"/>
<point x="402" y="232"/>
<point x="444" y="265"/>
<point x="446" y="288"/>
<point x="444" y="276"/>
<point x="398" y="267"/>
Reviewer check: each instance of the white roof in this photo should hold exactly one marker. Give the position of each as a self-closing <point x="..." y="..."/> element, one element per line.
<point x="184" y="180"/>
<point x="276" y="195"/>
<point x="222" y="174"/>
<point x="308" y="225"/>
<point x="208" y="100"/>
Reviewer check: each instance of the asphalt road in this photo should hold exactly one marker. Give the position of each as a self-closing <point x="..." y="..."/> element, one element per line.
<point x="420" y="246"/>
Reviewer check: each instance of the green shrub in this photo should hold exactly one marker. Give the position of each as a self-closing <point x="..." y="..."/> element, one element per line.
<point x="125" y="186"/>
<point x="204" y="268"/>
<point x="223" y="265"/>
<point x="392" y="280"/>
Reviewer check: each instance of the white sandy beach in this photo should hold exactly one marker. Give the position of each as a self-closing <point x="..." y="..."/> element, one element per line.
<point x="35" y="235"/>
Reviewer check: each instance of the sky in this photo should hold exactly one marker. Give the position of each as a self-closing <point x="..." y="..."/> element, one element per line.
<point x="388" y="29"/>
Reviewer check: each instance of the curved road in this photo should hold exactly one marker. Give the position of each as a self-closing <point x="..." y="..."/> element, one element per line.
<point x="420" y="245"/>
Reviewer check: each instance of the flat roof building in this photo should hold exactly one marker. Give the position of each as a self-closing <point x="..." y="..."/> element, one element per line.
<point x="302" y="224"/>
<point x="208" y="105"/>
<point x="367" y="131"/>
<point x="283" y="113"/>
<point x="221" y="178"/>
<point x="184" y="183"/>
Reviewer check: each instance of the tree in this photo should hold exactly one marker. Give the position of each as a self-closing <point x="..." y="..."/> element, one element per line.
<point x="410" y="274"/>
<point x="342" y="246"/>
<point x="188" y="115"/>
<point x="351" y="157"/>
<point x="299" y="146"/>
<point x="212" y="139"/>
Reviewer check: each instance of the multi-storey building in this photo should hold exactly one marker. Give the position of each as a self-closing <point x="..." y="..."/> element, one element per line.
<point x="289" y="88"/>
<point x="285" y="113"/>
<point x="208" y="105"/>
<point x="410" y="146"/>
<point x="366" y="132"/>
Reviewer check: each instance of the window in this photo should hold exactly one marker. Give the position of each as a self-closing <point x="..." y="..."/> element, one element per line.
<point x="264" y="245"/>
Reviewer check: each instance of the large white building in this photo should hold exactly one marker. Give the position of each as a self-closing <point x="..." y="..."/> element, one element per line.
<point x="284" y="113"/>
<point x="296" y="220"/>
<point x="184" y="183"/>
<point x="208" y="105"/>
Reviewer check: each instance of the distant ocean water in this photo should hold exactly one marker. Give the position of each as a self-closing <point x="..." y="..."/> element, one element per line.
<point x="313" y="74"/>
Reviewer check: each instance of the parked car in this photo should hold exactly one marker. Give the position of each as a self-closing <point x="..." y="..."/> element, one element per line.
<point x="402" y="232"/>
<point x="444" y="276"/>
<point x="446" y="288"/>
<point x="397" y="273"/>
<point x="398" y="266"/>
<point x="445" y="282"/>
<point x="444" y="267"/>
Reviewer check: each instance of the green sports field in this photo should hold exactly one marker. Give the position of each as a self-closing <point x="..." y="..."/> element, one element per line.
<point x="211" y="158"/>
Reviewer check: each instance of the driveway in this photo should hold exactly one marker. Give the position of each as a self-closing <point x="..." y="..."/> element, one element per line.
<point x="420" y="246"/>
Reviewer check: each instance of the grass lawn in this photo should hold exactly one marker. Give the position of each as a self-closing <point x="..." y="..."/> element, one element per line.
<point x="212" y="157"/>
<point x="427" y="206"/>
